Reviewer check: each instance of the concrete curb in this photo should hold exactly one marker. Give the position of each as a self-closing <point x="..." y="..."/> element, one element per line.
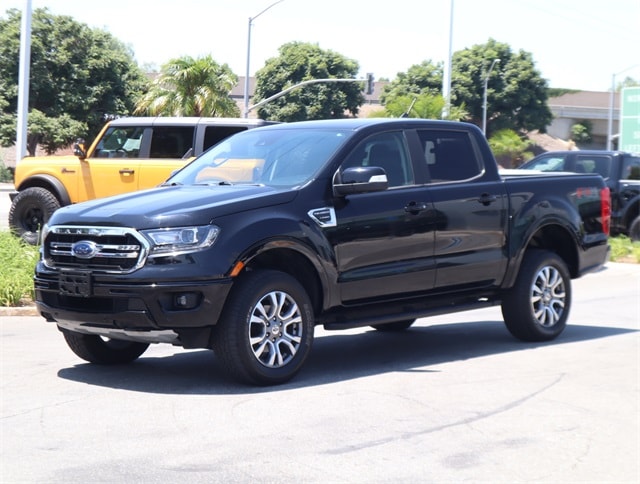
<point x="6" y="311"/>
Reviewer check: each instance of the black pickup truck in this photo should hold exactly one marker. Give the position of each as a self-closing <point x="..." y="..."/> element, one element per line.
<point x="341" y="223"/>
<point x="621" y="173"/>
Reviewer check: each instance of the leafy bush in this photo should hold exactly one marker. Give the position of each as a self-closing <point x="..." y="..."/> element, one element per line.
<point x="6" y="175"/>
<point x="624" y="250"/>
<point x="17" y="263"/>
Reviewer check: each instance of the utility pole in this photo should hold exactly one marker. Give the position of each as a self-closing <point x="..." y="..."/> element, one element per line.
<point x="23" y="82"/>
<point x="484" y="102"/>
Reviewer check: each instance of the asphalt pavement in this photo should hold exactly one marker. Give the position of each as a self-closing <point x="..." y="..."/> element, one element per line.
<point x="453" y="399"/>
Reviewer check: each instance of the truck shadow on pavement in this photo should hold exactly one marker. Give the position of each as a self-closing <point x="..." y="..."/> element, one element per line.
<point x="335" y="357"/>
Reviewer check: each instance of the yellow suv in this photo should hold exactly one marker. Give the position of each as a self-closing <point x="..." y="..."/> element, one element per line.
<point x="128" y="154"/>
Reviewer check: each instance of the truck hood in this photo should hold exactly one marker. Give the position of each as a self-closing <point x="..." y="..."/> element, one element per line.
<point x="171" y="206"/>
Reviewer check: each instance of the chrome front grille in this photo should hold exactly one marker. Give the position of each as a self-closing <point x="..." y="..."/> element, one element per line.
<point x="118" y="250"/>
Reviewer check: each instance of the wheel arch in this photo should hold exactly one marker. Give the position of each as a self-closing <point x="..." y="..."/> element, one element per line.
<point x="50" y="183"/>
<point x="554" y="237"/>
<point x="298" y="262"/>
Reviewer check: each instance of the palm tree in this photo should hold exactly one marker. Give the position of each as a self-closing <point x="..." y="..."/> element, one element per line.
<point x="191" y="87"/>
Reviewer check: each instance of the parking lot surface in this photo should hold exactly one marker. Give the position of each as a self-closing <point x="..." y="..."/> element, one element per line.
<point x="453" y="399"/>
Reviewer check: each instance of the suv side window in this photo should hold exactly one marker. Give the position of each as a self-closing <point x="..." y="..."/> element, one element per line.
<point x="548" y="163"/>
<point x="449" y="155"/>
<point x="215" y="134"/>
<point x="171" y="141"/>
<point x="631" y="168"/>
<point x="388" y="151"/>
<point x="593" y="164"/>
<point x="120" y="142"/>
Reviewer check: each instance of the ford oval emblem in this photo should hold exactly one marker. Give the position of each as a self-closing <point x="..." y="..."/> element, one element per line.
<point x="84" y="249"/>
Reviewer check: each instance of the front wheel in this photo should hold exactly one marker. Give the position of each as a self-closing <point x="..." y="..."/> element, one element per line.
<point x="104" y="351"/>
<point x="266" y="329"/>
<point x="30" y="210"/>
<point x="537" y="307"/>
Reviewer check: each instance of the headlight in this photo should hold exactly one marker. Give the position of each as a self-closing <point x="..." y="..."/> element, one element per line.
<point x="179" y="240"/>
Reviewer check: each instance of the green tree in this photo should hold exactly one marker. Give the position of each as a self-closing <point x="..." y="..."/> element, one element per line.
<point x="581" y="132"/>
<point x="509" y="149"/>
<point x="191" y="87"/>
<point x="516" y="92"/>
<point x="419" y="79"/>
<point x="425" y="106"/>
<point x="77" y="74"/>
<point x="298" y="62"/>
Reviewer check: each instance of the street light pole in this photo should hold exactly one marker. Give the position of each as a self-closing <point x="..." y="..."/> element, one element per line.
<point x="246" y="77"/>
<point x="484" y="102"/>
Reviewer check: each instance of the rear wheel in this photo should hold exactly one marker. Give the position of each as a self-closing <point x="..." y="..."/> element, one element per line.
<point x="266" y="330"/>
<point x="537" y="307"/>
<point x="30" y="210"/>
<point x="105" y="351"/>
<point x="634" y="229"/>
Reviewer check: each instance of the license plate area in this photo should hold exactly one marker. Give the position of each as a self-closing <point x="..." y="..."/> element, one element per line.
<point x="75" y="284"/>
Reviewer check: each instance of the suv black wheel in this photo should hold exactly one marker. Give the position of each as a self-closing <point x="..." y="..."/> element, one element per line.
<point x="537" y="307"/>
<point x="30" y="210"/>
<point x="105" y="351"/>
<point x="634" y="229"/>
<point x="266" y="330"/>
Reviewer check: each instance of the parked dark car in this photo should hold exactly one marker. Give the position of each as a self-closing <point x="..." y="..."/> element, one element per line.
<point x="621" y="172"/>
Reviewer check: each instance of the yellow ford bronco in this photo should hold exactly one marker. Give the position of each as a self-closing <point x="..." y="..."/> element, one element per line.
<point x="128" y="154"/>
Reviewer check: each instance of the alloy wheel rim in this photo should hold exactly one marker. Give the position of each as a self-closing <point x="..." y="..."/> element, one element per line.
<point x="275" y="329"/>
<point x="548" y="297"/>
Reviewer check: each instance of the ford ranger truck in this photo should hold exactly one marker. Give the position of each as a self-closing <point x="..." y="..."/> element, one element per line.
<point x="340" y="223"/>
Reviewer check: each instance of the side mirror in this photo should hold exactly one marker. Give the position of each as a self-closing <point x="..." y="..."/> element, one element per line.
<point x="79" y="149"/>
<point x="360" y="179"/>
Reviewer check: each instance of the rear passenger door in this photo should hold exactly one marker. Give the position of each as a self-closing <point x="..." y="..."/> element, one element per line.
<point x="170" y="148"/>
<point x="470" y="211"/>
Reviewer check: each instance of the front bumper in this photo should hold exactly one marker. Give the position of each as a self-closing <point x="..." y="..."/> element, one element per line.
<point x="108" y="303"/>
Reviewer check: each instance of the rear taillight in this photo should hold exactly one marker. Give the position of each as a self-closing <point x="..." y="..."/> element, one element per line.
<point x="605" y="209"/>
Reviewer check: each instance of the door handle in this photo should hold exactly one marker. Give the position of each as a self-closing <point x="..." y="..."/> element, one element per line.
<point x="487" y="199"/>
<point x="416" y="207"/>
<point x="127" y="171"/>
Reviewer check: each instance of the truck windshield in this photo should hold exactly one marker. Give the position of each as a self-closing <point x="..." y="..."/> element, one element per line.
<point x="274" y="157"/>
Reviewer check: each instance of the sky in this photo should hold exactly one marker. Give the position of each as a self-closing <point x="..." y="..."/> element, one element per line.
<point x="575" y="44"/>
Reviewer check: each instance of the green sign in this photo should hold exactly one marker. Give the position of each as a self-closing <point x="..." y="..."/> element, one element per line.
<point x="630" y="120"/>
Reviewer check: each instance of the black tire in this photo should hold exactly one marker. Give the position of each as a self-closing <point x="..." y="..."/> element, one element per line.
<point x="30" y="210"/>
<point x="394" y="327"/>
<point x="537" y="307"/>
<point x="265" y="332"/>
<point x="634" y="229"/>
<point x="103" y="351"/>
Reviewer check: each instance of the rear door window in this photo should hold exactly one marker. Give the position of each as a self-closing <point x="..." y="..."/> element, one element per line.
<point x="449" y="156"/>
<point x="600" y="164"/>
<point x="171" y="141"/>
<point x="215" y="134"/>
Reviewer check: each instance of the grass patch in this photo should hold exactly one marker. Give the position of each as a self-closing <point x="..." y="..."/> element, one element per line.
<point x="17" y="264"/>
<point x="624" y="250"/>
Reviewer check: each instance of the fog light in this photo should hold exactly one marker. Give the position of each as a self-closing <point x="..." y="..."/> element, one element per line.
<point x="186" y="300"/>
